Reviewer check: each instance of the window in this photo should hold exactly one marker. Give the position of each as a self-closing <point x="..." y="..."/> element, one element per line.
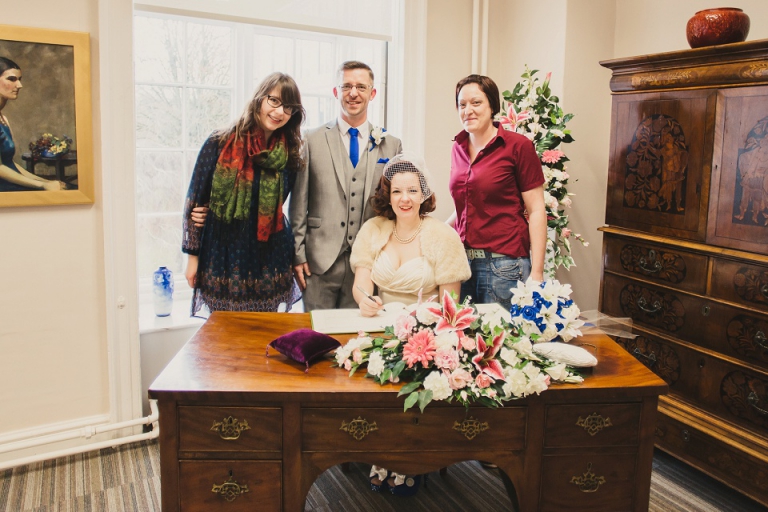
<point x="195" y="75"/>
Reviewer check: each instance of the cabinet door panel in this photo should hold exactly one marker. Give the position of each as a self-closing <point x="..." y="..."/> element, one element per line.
<point x="661" y="154"/>
<point x="738" y="215"/>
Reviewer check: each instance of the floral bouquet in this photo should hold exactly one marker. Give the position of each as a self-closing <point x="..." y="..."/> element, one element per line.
<point x="531" y="110"/>
<point x="449" y="351"/>
<point x="545" y="311"/>
<point x="50" y="146"/>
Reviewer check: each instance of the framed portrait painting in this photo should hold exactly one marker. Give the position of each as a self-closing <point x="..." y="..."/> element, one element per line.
<point x="46" y="135"/>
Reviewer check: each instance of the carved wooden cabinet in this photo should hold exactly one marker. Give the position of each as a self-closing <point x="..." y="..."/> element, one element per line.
<point x="685" y="249"/>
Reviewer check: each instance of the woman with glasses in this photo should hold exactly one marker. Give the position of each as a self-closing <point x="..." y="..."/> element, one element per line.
<point x="241" y="258"/>
<point x="497" y="186"/>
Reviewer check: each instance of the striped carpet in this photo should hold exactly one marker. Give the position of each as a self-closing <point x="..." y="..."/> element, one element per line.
<point x="128" y="479"/>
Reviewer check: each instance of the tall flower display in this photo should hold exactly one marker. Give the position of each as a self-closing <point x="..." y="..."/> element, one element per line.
<point x="533" y="111"/>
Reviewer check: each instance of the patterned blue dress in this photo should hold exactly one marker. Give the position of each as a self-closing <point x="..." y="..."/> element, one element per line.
<point x="235" y="271"/>
<point x="7" y="151"/>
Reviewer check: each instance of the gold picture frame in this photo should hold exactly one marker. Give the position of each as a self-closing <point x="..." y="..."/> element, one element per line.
<point x="56" y="99"/>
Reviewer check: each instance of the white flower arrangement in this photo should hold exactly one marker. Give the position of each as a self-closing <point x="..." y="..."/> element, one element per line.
<point x="531" y="110"/>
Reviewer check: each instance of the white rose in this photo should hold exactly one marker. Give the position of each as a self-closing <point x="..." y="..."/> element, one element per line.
<point x="437" y="382"/>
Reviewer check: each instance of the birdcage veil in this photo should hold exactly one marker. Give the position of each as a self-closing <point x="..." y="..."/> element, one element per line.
<point x="410" y="163"/>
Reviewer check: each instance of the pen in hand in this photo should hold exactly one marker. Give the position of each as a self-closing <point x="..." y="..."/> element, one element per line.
<point x="366" y="294"/>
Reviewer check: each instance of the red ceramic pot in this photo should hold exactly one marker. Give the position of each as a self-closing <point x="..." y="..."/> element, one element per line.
<point x="717" y="26"/>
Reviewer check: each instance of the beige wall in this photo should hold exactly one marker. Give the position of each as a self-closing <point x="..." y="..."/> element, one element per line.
<point x="53" y="366"/>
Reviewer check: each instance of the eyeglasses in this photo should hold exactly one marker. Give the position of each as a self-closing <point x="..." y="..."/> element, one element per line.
<point x="361" y="88"/>
<point x="276" y="102"/>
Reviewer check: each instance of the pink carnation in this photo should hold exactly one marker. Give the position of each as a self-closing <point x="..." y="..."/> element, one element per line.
<point x="420" y="348"/>
<point x="447" y="359"/>
<point x="483" y="381"/>
<point x="552" y="156"/>
<point x="566" y="232"/>
<point x="404" y="325"/>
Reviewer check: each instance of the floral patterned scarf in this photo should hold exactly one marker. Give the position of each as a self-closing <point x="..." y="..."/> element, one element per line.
<point x="233" y="181"/>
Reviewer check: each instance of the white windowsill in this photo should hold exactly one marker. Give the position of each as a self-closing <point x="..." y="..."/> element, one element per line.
<point x="179" y="318"/>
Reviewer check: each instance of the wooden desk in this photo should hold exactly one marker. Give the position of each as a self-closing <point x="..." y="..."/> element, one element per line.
<point x="574" y="447"/>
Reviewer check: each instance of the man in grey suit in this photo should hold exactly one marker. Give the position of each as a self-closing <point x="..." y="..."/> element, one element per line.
<point x="329" y="203"/>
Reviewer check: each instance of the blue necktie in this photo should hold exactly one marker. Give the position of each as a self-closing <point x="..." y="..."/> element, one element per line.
<point x="354" y="146"/>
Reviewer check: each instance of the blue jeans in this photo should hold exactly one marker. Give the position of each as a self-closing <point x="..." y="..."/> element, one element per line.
<point x="493" y="279"/>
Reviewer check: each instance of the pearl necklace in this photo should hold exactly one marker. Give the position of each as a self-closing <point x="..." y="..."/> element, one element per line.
<point x="410" y="238"/>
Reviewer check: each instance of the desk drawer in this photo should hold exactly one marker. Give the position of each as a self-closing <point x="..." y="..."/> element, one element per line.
<point x="592" y="425"/>
<point x="245" y="486"/>
<point x="438" y="429"/>
<point x="588" y="482"/>
<point x="741" y="282"/>
<point x="665" y="265"/>
<point x="241" y="429"/>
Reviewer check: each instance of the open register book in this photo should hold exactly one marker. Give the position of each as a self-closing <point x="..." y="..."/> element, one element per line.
<point x="342" y="321"/>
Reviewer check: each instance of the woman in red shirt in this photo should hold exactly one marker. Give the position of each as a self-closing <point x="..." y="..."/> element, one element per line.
<point x="497" y="186"/>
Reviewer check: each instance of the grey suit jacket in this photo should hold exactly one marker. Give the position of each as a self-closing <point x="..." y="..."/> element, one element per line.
<point x="319" y="205"/>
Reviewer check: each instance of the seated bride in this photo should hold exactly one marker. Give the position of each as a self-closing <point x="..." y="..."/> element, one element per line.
<point x="407" y="255"/>
<point x="402" y="251"/>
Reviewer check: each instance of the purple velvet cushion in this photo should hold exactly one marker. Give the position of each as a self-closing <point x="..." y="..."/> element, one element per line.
<point x="304" y="345"/>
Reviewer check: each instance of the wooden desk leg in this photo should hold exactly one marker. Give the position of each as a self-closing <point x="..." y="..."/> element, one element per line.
<point x="60" y="169"/>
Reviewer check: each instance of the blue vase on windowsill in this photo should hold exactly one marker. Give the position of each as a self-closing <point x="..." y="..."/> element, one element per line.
<point x="162" y="291"/>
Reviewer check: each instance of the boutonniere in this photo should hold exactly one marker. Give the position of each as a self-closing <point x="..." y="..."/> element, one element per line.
<point x="377" y="135"/>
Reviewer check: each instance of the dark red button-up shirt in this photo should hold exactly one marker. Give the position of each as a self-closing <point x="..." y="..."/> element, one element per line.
<point x="487" y="193"/>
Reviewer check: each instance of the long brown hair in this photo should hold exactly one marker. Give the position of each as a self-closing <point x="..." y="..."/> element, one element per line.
<point x="249" y="120"/>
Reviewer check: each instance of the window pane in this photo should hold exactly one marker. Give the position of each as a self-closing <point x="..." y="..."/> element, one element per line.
<point x="270" y="54"/>
<point x="209" y="54"/>
<point x="159" y="244"/>
<point x="158" y="50"/>
<point x="207" y="110"/>
<point x="158" y="116"/>
<point x="160" y="183"/>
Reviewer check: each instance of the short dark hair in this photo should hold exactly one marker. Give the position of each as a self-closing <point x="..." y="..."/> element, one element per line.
<point x="489" y="88"/>
<point x="381" y="206"/>
<point x="354" y="64"/>
<point x="6" y="64"/>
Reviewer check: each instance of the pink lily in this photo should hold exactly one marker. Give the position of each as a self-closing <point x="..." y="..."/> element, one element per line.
<point x="485" y="360"/>
<point x="513" y="117"/>
<point x="451" y="318"/>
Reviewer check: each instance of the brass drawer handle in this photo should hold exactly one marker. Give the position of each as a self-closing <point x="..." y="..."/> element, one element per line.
<point x="588" y="482"/>
<point x="643" y="304"/>
<point x="754" y="401"/>
<point x="764" y="291"/>
<point x="358" y="428"/>
<point x="594" y="423"/>
<point x="470" y="427"/>
<point x="230" y="490"/>
<point x="229" y="428"/>
<point x="759" y="339"/>
<point x="651" y="358"/>
<point x="643" y="264"/>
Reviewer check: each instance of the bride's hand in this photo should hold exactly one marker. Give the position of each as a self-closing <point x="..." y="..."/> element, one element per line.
<point x="370" y="307"/>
